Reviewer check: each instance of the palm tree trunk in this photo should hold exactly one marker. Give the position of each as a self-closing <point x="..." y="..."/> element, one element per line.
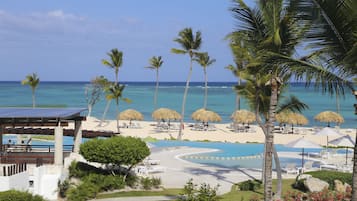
<point x="269" y="141"/>
<point x="206" y="90"/>
<point x="179" y="137"/>
<point x="354" y="174"/>
<point x="89" y="110"/>
<point x="105" y="110"/>
<point x="156" y="89"/>
<point x="276" y="156"/>
<point x="238" y="97"/>
<point x="117" y="112"/>
<point x="33" y="99"/>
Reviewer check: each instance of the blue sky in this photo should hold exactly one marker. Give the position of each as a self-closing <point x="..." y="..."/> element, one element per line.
<point x="66" y="40"/>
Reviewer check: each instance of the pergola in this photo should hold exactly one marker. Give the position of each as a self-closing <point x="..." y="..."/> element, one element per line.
<point x="44" y="117"/>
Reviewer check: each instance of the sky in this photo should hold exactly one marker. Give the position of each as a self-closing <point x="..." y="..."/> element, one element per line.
<point x="65" y="40"/>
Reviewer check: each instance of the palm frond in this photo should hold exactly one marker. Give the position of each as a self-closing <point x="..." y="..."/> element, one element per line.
<point x="292" y="104"/>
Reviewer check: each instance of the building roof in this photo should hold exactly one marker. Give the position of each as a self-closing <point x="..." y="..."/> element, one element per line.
<point x="39" y="115"/>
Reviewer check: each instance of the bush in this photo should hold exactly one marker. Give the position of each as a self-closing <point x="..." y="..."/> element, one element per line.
<point x="205" y="192"/>
<point x="80" y="170"/>
<point x="156" y="182"/>
<point x="249" y="185"/>
<point x="63" y="187"/>
<point x="83" y="192"/>
<point x="132" y="180"/>
<point x="13" y="195"/>
<point x="146" y="183"/>
<point x="105" y="182"/>
<point x="330" y="176"/>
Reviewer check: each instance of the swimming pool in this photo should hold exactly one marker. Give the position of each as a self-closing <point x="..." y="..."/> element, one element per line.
<point x="232" y="155"/>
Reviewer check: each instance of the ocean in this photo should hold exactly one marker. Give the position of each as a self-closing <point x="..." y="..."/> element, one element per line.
<point x="221" y="99"/>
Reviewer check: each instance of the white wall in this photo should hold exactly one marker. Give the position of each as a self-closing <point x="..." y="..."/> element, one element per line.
<point x="18" y="182"/>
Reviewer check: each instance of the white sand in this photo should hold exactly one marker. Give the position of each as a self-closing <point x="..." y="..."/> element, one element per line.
<point x="222" y="132"/>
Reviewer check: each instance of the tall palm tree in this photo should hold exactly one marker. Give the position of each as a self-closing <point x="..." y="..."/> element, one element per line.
<point x="334" y="34"/>
<point x="33" y="81"/>
<point x="116" y="60"/>
<point x="190" y="44"/>
<point x="204" y="60"/>
<point x="155" y="64"/>
<point x="272" y="31"/>
<point x="115" y="91"/>
<point x="241" y="58"/>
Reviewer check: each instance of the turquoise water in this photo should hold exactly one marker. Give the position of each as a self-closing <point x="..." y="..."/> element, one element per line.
<point x="221" y="98"/>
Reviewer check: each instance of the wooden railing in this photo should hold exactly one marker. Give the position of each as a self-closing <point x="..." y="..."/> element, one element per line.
<point x="31" y="154"/>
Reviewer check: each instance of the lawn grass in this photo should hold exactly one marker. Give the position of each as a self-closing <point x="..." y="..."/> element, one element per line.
<point x="164" y="192"/>
<point x="234" y="194"/>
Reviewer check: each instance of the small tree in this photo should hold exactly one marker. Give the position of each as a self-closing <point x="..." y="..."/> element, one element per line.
<point x="115" y="91"/>
<point x="32" y="80"/>
<point x="205" y="192"/>
<point x="93" y="92"/>
<point x="118" y="151"/>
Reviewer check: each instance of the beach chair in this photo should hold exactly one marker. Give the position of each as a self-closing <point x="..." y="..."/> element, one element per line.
<point x="290" y="168"/>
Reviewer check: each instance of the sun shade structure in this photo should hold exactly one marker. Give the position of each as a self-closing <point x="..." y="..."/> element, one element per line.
<point x="328" y="117"/>
<point x="204" y="115"/>
<point x="131" y="114"/>
<point x="243" y="116"/>
<point x="292" y="118"/>
<point x="39" y="117"/>
<point x="165" y="114"/>
<point x="302" y="143"/>
<point x="344" y="141"/>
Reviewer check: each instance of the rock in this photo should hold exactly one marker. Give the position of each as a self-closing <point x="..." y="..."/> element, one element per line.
<point x="348" y="187"/>
<point x="339" y="187"/>
<point x="315" y="185"/>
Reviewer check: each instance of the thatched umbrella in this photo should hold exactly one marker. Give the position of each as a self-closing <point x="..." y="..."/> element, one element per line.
<point x="165" y="114"/>
<point x="130" y="114"/>
<point x="329" y="116"/>
<point x="204" y="115"/>
<point x="243" y="116"/>
<point x="291" y="118"/>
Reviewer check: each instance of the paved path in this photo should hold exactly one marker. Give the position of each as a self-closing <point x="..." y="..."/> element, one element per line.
<point x="148" y="198"/>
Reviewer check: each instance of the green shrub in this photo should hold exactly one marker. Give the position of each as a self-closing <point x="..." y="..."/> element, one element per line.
<point x="146" y="183"/>
<point x="105" y="182"/>
<point x="156" y="182"/>
<point x="63" y="187"/>
<point x="83" y="192"/>
<point x="132" y="180"/>
<point x="205" y="192"/>
<point x="13" y="195"/>
<point x="249" y="185"/>
<point x="80" y="170"/>
<point x="330" y="176"/>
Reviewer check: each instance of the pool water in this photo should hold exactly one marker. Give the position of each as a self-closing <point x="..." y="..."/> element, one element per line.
<point x="232" y="155"/>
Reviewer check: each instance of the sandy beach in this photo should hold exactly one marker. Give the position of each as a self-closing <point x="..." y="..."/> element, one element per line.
<point x="222" y="132"/>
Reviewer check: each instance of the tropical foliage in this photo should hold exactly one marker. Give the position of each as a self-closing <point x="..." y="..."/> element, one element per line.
<point x="155" y="64"/>
<point x="116" y="151"/>
<point x="190" y="44"/>
<point x="115" y="92"/>
<point x="33" y="81"/>
<point x="204" y="60"/>
<point x="115" y="62"/>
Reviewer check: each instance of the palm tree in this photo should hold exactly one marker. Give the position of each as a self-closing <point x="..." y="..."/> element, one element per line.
<point x="115" y="91"/>
<point x="189" y="43"/>
<point x="241" y="58"/>
<point x="33" y="81"/>
<point x="271" y="32"/>
<point x="116" y="58"/>
<point x="204" y="60"/>
<point x="334" y="34"/>
<point x="155" y="64"/>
